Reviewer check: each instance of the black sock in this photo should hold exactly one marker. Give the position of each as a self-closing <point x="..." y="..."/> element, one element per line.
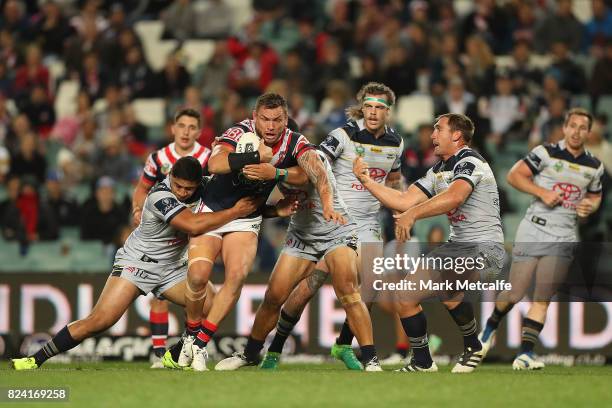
<point x="60" y="343"/>
<point x="175" y="350"/>
<point x="367" y="353"/>
<point x="463" y="315"/>
<point x="497" y="316"/>
<point x="402" y="349"/>
<point x="416" y="330"/>
<point x="252" y="349"/>
<point x="530" y="333"/>
<point x="284" y="327"/>
<point x="206" y="333"/>
<point x="346" y="335"/>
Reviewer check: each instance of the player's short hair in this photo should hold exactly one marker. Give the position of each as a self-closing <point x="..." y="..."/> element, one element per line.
<point x="187" y="168"/>
<point x="271" y="100"/>
<point x="373" y="88"/>
<point x="579" y="112"/>
<point x="461" y="123"/>
<point x="192" y="113"/>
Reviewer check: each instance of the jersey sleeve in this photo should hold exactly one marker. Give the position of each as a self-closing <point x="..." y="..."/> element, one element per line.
<point x="536" y="159"/>
<point x="150" y="171"/>
<point x="231" y="136"/>
<point x="426" y="183"/>
<point x="594" y="186"/>
<point x="397" y="164"/>
<point x="468" y="169"/>
<point x="164" y="205"/>
<point x="334" y="144"/>
<point x="302" y="145"/>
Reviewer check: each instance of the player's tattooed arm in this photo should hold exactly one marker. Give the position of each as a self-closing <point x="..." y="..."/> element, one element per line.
<point x="311" y="163"/>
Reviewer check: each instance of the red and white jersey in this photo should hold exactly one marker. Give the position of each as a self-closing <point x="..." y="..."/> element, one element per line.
<point x="159" y="163"/>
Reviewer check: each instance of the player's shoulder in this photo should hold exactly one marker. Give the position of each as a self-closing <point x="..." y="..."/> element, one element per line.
<point x="591" y="160"/>
<point x="160" y="188"/>
<point x="559" y="151"/>
<point x="235" y="131"/>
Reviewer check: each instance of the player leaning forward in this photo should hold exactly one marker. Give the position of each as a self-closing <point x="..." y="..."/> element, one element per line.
<point x="152" y="259"/>
<point x="566" y="180"/>
<point x="462" y="186"/>
<point x="282" y="154"/>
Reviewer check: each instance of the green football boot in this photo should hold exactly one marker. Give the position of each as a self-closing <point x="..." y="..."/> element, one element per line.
<point x="26" y="363"/>
<point x="270" y="361"/>
<point x="345" y="353"/>
<point x="168" y="362"/>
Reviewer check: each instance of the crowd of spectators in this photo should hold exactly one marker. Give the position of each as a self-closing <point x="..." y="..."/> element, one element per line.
<point x="513" y="66"/>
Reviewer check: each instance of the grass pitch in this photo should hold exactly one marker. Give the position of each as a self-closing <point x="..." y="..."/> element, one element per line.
<point x="326" y="385"/>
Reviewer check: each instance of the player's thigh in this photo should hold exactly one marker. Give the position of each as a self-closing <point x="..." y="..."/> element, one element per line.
<point x="204" y="247"/>
<point x="287" y="273"/>
<point x="238" y="252"/>
<point x="116" y="297"/>
<point x="342" y="266"/>
<point x="550" y="274"/>
<point x="521" y="276"/>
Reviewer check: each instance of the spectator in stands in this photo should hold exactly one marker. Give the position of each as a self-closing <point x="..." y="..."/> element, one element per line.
<point x="64" y="210"/>
<point x="332" y="111"/>
<point x="14" y="19"/>
<point x="101" y="217"/>
<point x="389" y="36"/>
<point x="601" y="76"/>
<point x="11" y="223"/>
<point x="340" y="27"/>
<point x="489" y="22"/>
<point x="332" y="66"/>
<point x="135" y="76"/>
<point x="479" y="63"/>
<point x="456" y="100"/>
<point x="211" y="78"/>
<point x="524" y="22"/>
<point x="93" y="76"/>
<point x="419" y="157"/>
<point x="504" y="110"/>
<point x="5" y="119"/>
<point x="113" y="100"/>
<point x="171" y="81"/>
<point x="398" y="71"/>
<point x="8" y="50"/>
<point x="109" y="38"/>
<point x="29" y="161"/>
<point x="571" y="75"/>
<point x="31" y="73"/>
<point x="5" y="163"/>
<point x="137" y="133"/>
<point x="78" y="47"/>
<point x="89" y="13"/>
<point x="214" y="21"/>
<point x="598" y="29"/>
<point x="548" y="125"/>
<point x="180" y="20"/>
<point x="193" y="99"/>
<point x="254" y="70"/>
<point x="446" y="65"/>
<point x="39" y="110"/>
<point x="562" y="26"/>
<point x="113" y="160"/>
<point x="115" y="55"/>
<point x="50" y="29"/>
<point x="6" y="82"/>
<point x="299" y="112"/>
<point x="295" y="71"/>
<point x="526" y="77"/>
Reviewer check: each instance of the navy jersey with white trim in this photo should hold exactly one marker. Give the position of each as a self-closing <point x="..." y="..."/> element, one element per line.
<point x="555" y="168"/>
<point x="382" y="154"/>
<point x="478" y="218"/>
<point x="224" y="190"/>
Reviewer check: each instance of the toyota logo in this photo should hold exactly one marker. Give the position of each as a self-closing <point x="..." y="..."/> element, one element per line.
<point x="570" y="192"/>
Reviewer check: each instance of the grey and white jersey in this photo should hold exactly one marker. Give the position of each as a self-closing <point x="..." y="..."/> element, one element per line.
<point x="383" y="155"/>
<point x="555" y="168"/>
<point x="155" y="240"/>
<point x="308" y="220"/>
<point x="477" y="219"/>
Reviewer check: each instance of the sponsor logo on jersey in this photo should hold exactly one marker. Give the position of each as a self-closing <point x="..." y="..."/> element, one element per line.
<point x="558" y="166"/>
<point x="570" y="191"/>
<point x="574" y="167"/>
<point x="376" y="149"/>
<point x="331" y="143"/>
<point x="376" y="174"/>
<point x="454" y="216"/>
<point x="464" y="168"/>
<point x="165" y="169"/>
<point x="165" y="205"/>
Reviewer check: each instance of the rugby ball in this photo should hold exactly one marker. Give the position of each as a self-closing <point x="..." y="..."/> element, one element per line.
<point x="248" y="142"/>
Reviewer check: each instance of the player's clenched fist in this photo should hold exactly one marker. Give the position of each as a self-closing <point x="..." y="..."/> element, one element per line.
<point x="551" y="198"/>
<point x="403" y="225"/>
<point x="360" y="168"/>
<point x="585" y="208"/>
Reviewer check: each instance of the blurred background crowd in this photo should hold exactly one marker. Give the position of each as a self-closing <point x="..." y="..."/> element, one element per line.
<point x="88" y="89"/>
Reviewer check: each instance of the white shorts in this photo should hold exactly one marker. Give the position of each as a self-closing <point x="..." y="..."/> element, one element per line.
<point x="532" y="242"/>
<point x="239" y="225"/>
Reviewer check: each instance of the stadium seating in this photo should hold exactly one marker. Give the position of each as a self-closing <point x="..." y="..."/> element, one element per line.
<point x="197" y="52"/>
<point x="413" y="110"/>
<point x="150" y="111"/>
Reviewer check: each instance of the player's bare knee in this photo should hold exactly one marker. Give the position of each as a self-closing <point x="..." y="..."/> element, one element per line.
<point x="350" y="300"/>
<point x="273" y="299"/>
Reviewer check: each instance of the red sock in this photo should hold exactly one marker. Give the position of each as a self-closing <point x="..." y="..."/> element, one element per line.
<point x="204" y="336"/>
